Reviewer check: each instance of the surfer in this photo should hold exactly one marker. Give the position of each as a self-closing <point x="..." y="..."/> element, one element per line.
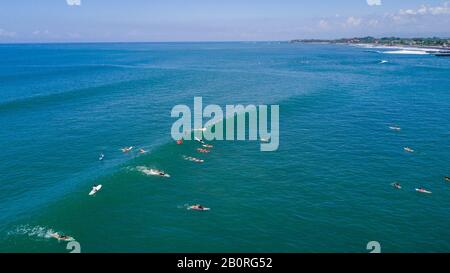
<point x="127" y="149"/>
<point x="395" y="128"/>
<point x="409" y="150"/>
<point x="142" y="151"/>
<point x="198" y="207"/>
<point x="101" y="156"/>
<point x="199" y="140"/>
<point x="446" y="178"/>
<point x="423" y="190"/>
<point x="158" y="172"/>
<point x="207" y="145"/>
<point x="397" y="185"/>
<point x="59" y="237"/>
<point x="95" y="189"/>
<point x="203" y="150"/>
<point x="180" y="141"/>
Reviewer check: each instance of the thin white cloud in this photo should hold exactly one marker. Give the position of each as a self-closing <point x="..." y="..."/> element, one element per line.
<point x="353" y="21"/>
<point x="7" y="34"/>
<point x="323" y="24"/>
<point x="373" y="22"/>
<point x="73" y="2"/>
<point x="427" y="10"/>
<point x="374" y="2"/>
<point x="41" y="32"/>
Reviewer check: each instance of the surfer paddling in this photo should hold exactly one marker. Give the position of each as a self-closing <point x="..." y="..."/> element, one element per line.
<point x="127" y="149"/>
<point x="60" y="237"/>
<point x="95" y="189"/>
<point x="199" y="140"/>
<point x="197" y="207"/>
<point x="447" y="178"/>
<point x="422" y="190"/>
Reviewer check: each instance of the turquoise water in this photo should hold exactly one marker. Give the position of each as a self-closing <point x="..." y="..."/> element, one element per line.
<point x="326" y="189"/>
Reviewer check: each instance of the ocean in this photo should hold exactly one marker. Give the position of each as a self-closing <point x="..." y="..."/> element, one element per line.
<point x="326" y="189"/>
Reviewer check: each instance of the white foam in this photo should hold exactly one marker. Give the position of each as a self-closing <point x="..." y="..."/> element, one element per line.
<point x="32" y="231"/>
<point x="406" y="52"/>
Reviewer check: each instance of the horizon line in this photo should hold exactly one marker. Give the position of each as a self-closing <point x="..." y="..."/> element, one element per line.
<point x="209" y="41"/>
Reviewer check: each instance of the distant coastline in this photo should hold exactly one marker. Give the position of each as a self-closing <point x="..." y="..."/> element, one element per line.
<point x="432" y="43"/>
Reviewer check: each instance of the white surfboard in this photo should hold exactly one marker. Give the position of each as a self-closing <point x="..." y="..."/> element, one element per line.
<point x="199" y="140"/>
<point x="156" y="173"/>
<point x="423" y="191"/>
<point x="95" y="189"/>
<point x="191" y="208"/>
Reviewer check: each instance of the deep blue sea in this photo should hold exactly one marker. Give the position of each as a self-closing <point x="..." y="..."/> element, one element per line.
<point x="326" y="189"/>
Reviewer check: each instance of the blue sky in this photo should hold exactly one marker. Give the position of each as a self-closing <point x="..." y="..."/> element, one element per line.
<point x="217" y="20"/>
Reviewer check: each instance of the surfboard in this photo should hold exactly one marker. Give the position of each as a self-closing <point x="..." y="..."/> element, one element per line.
<point x="95" y="190"/>
<point x="423" y="191"/>
<point x="190" y="208"/>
